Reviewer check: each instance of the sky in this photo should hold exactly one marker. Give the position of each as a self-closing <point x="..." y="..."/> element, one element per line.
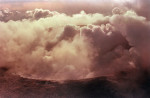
<point x="65" y="0"/>
<point x="90" y="6"/>
<point x="39" y="0"/>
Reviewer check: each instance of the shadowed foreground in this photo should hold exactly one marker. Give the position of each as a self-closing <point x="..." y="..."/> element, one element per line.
<point x="102" y="87"/>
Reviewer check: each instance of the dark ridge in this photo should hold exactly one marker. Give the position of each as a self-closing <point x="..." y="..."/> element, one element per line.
<point x="99" y="87"/>
<point x="18" y="87"/>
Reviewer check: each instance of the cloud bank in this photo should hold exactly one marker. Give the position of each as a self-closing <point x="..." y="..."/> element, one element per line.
<point x="46" y="44"/>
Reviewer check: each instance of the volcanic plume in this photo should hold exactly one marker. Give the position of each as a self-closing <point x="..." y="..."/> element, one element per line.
<point x="64" y="44"/>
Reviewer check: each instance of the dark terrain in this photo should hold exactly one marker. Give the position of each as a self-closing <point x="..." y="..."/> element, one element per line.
<point x="12" y="86"/>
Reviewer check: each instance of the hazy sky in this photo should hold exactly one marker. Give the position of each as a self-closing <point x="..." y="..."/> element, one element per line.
<point x="65" y="0"/>
<point x="46" y="0"/>
<point x="65" y="6"/>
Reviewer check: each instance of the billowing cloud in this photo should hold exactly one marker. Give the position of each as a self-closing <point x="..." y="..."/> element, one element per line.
<point x="49" y="45"/>
<point x="49" y="48"/>
<point x="6" y="14"/>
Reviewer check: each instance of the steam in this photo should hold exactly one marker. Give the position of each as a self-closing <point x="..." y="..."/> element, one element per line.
<point x="49" y="45"/>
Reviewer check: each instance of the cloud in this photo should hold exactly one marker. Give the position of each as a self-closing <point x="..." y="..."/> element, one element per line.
<point x="6" y="14"/>
<point x="136" y="30"/>
<point x="45" y="48"/>
<point x="141" y="7"/>
<point x="45" y="44"/>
